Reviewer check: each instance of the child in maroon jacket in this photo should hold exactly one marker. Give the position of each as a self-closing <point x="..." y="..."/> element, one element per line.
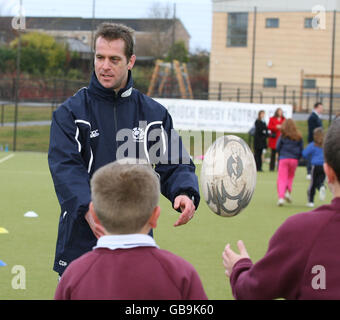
<point x="127" y="264"/>
<point x="302" y="261"/>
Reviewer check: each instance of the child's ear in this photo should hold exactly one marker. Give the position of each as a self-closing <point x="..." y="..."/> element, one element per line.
<point x="154" y="217"/>
<point x="331" y="176"/>
<point x="93" y="214"/>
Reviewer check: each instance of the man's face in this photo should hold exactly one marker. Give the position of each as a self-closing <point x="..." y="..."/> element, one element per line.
<point x="110" y="63"/>
<point x="319" y="109"/>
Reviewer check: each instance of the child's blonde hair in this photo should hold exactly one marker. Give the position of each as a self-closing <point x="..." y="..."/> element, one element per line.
<point x="124" y="196"/>
<point x="318" y="136"/>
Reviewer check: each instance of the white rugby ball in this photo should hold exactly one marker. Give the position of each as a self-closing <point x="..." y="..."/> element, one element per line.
<point x="228" y="176"/>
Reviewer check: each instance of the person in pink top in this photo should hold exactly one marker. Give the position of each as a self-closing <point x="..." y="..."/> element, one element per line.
<point x="126" y="263"/>
<point x="274" y="126"/>
<point x="302" y="260"/>
<point x="289" y="147"/>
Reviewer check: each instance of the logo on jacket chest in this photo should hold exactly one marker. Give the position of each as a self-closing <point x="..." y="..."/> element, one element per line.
<point x="94" y="133"/>
<point x="138" y="134"/>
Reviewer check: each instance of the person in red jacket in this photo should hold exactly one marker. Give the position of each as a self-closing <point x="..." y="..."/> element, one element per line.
<point x="302" y="260"/>
<point x="126" y="263"/>
<point x="274" y="125"/>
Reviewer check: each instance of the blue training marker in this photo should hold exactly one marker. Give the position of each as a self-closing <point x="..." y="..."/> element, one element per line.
<point x="2" y="264"/>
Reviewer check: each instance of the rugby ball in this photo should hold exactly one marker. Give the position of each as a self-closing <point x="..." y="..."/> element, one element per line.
<point x="228" y="176"/>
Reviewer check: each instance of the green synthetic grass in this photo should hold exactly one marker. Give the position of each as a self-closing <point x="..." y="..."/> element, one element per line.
<point x="31" y="138"/>
<point x="26" y="185"/>
<point x="25" y="113"/>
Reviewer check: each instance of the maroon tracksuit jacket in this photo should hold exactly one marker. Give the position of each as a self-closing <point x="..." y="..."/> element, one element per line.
<point x="302" y="261"/>
<point x="143" y="273"/>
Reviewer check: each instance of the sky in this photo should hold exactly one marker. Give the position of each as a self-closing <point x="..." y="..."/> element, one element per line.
<point x="196" y="15"/>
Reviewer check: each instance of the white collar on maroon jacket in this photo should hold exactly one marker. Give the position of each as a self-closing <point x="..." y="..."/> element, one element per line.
<point x="125" y="241"/>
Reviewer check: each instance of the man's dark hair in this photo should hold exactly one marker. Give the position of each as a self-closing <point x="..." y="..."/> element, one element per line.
<point x="317" y="104"/>
<point x="113" y="31"/>
<point x="259" y="114"/>
<point x="332" y="147"/>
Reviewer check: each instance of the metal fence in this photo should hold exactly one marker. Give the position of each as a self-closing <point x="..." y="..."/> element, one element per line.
<point x="39" y="89"/>
<point x="302" y="99"/>
<point x="55" y="91"/>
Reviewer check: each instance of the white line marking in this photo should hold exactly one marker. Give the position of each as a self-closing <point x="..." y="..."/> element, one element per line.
<point x="7" y="158"/>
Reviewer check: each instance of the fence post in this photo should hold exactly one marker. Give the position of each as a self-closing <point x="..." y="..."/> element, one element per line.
<point x="307" y="101"/>
<point x="219" y="91"/>
<point x="284" y="94"/>
<point x="54" y="98"/>
<point x="253" y="58"/>
<point x="331" y="93"/>
<point x="238" y="94"/>
<point x="2" y="114"/>
<point x="65" y="85"/>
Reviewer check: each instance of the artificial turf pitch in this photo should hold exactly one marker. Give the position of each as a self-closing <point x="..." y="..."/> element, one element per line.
<point x="26" y="185"/>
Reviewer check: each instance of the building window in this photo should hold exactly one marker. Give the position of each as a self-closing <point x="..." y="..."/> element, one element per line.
<point x="237" y="29"/>
<point x="269" y="82"/>
<point x="312" y="23"/>
<point x="308" y="23"/>
<point x="272" y="23"/>
<point x="309" y="83"/>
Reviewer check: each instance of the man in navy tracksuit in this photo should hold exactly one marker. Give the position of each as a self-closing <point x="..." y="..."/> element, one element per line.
<point x="104" y="122"/>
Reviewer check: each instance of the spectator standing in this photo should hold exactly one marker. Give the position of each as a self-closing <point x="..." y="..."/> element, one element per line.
<point x="314" y="121"/>
<point x="260" y="139"/>
<point x="274" y="125"/>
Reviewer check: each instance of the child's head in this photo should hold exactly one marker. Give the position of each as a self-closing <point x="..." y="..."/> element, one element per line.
<point x="278" y="113"/>
<point x="290" y="131"/>
<point x="124" y="196"/>
<point x="332" y="147"/>
<point x="318" y="136"/>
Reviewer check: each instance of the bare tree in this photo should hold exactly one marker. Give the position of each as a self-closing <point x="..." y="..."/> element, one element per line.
<point x="161" y="28"/>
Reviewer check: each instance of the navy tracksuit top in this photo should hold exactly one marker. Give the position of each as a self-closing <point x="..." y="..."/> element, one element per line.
<point x="95" y="127"/>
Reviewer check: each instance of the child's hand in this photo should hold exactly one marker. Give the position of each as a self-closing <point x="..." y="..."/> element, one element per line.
<point x="230" y="257"/>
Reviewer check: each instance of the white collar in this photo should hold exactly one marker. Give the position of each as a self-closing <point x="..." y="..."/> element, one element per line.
<point x="126" y="93"/>
<point x="316" y="113"/>
<point x="125" y="241"/>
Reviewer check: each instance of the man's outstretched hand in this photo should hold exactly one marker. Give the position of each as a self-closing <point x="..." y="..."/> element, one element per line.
<point x="187" y="208"/>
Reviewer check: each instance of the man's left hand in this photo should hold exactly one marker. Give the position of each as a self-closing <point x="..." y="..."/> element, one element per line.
<point x="187" y="207"/>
